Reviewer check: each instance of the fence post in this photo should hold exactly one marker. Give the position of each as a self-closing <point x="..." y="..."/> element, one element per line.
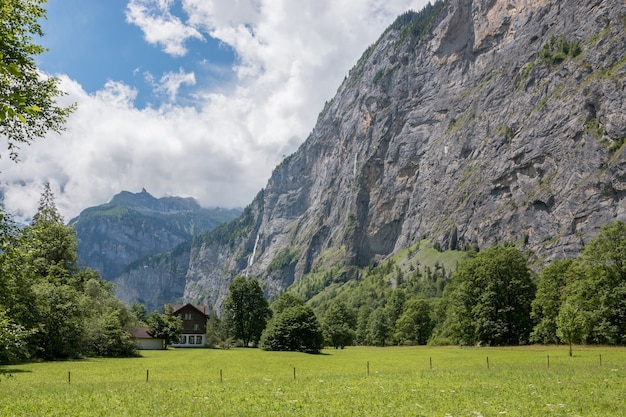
<point x="221" y="379"/>
<point x="431" y="363"/>
<point x="548" y="361"/>
<point x="69" y="377"/>
<point x="147" y="375"/>
<point x="294" y="373"/>
<point x="487" y="362"/>
<point x="368" y="368"/>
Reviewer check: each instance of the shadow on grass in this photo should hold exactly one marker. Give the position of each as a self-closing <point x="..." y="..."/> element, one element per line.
<point x="11" y="371"/>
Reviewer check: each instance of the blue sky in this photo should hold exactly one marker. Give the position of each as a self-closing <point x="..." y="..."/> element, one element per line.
<point x="92" y="42"/>
<point x="199" y="98"/>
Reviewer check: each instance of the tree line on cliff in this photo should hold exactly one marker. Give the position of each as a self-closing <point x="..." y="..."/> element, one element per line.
<point x="493" y="298"/>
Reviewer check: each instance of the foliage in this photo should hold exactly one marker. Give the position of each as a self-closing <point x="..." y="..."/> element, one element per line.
<point x="601" y="284"/>
<point x="548" y="300"/>
<point x="491" y="301"/>
<point x="246" y="311"/>
<point x="217" y="332"/>
<point x="63" y="310"/>
<point x="378" y="327"/>
<point x="570" y="323"/>
<point x="293" y="327"/>
<point x="338" y="324"/>
<point x="557" y="50"/>
<point x="415" y="325"/>
<point x="60" y="319"/>
<point x="28" y="108"/>
<point x="283" y="259"/>
<point x="13" y="339"/>
<point x="50" y="245"/>
<point x="413" y="25"/>
<point x="165" y="326"/>
<point x="285" y="301"/>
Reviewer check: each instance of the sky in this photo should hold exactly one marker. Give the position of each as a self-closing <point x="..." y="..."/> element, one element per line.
<point x="190" y="98"/>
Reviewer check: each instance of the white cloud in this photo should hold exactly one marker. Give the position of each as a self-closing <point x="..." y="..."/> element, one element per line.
<point x="171" y="82"/>
<point x="160" y="26"/>
<point x="291" y="58"/>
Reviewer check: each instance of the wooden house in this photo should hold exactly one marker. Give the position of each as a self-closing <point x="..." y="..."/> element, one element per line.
<point x="194" y="319"/>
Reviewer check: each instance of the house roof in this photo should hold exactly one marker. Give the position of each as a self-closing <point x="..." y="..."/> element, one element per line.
<point x="175" y="308"/>
<point x="139" y="332"/>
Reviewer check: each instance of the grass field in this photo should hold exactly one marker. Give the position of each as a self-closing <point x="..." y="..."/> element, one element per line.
<point x="401" y="382"/>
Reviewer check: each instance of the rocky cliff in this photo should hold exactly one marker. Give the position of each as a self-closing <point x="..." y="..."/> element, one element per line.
<point x="135" y="225"/>
<point x="472" y="123"/>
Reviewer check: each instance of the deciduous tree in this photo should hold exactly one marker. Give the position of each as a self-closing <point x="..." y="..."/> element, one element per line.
<point x="548" y="300"/>
<point x="165" y="326"/>
<point x="339" y="324"/>
<point x="28" y="107"/>
<point x="491" y="298"/>
<point x="415" y="325"/>
<point x="600" y="284"/>
<point x="293" y="328"/>
<point x="246" y="310"/>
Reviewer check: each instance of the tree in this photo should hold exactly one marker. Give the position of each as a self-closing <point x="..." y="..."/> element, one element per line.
<point x="394" y="306"/>
<point x="378" y="327"/>
<point x="491" y="298"/>
<point x="15" y="292"/>
<point x="13" y="339"/>
<point x="599" y="285"/>
<point x="139" y="311"/>
<point x="165" y="326"/>
<point x="28" y="108"/>
<point x="217" y="332"/>
<point x="362" y="319"/>
<point x="50" y="245"/>
<point x="246" y="310"/>
<point x="415" y="325"/>
<point x="548" y="300"/>
<point x="61" y="325"/>
<point x="64" y="311"/>
<point x="338" y="325"/>
<point x="294" y="327"/>
<point x="571" y="323"/>
<point x="107" y="320"/>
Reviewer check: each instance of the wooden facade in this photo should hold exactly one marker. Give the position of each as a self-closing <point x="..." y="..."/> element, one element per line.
<point x="194" y="319"/>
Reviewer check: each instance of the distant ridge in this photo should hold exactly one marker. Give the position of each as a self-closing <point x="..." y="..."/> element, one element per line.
<point x="131" y="226"/>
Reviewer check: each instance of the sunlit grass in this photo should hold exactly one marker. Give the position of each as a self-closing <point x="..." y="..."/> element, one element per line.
<point x="401" y="382"/>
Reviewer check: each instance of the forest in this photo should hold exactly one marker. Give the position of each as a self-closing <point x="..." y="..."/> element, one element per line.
<point x="493" y="297"/>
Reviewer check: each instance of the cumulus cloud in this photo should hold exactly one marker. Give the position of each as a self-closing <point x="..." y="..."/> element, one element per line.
<point x="171" y="82"/>
<point x="160" y="26"/>
<point x="291" y="57"/>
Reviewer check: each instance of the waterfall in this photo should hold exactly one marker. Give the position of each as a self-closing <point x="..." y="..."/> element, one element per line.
<point x="256" y="242"/>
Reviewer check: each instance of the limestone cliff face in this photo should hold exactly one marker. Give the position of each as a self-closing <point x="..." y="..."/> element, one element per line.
<point x="504" y="123"/>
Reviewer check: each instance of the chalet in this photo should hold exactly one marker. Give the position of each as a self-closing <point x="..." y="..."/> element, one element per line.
<point x="144" y="341"/>
<point x="194" y="319"/>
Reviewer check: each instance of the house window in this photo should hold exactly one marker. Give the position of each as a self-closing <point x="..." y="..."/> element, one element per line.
<point x="196" y="327"/>
<point x="198" y="340"/>
<point x="183" y="340"/>
<point x="187" y="316"/>
<point x="191" y="340"/>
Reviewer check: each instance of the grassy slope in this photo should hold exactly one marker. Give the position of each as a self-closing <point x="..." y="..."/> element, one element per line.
<point x="187" y="382"/>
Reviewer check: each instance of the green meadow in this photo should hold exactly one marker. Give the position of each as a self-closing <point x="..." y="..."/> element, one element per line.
<point x="398" y="381"/>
